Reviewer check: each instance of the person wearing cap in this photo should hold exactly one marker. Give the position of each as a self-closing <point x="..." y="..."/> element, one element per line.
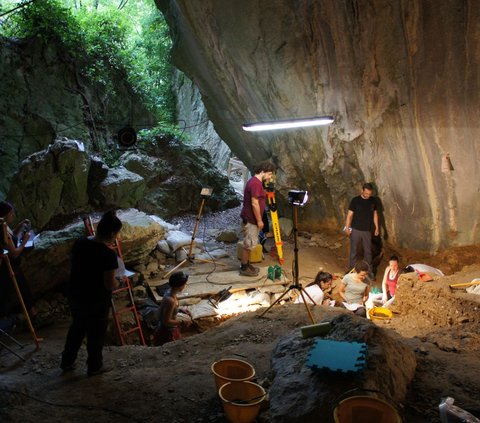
<point x="169" y="325"/>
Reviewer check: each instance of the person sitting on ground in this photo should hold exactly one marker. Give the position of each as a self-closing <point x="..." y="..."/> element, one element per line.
<point x="319" y="290"/>
<point x="354" y="289"/>
<point x="89" y="292"/>
<point x="390" y="279"/>
<point x="14" y="244"/>
<point x="168" y="328"/>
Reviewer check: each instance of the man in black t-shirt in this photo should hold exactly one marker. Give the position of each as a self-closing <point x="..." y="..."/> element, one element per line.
<point x="362" y="212"/>
<point x="89" y="292"/>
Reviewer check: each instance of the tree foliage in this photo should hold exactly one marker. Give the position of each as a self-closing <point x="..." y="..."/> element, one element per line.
<point x="130" y="36"/>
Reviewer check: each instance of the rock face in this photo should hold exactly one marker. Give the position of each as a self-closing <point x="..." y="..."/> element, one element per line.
<point x="190" y="108"/>
<point x="52" y="182"/>
<point x="44" y="97"/>
<point x="63" y="181"/>
<point x="400" y="80"/>
<point x="47" y="266"/>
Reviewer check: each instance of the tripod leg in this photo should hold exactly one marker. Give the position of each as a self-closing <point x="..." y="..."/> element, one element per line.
<point x="303" y="292"/>
<point x="166" y="275"/>
<point x="306" y="305"/>
<point x="20" y="299"/>
<point x="197" y="219"/>
<point x="276" y="301"/>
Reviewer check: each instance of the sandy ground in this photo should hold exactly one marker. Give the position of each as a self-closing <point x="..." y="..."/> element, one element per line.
<point x="174" y="383"/>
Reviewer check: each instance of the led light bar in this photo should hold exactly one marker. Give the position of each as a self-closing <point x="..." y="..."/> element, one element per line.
<point x="286" y="124"/>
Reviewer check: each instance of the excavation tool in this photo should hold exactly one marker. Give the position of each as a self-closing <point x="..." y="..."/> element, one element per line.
<point x="465" y="285"/>
<point x="272" y="206"/>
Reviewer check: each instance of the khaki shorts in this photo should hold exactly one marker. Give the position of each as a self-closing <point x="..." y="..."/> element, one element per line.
<point x="250" y="233"/>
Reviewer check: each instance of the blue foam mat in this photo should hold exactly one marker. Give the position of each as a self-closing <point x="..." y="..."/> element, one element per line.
<point x="337" y="356"/>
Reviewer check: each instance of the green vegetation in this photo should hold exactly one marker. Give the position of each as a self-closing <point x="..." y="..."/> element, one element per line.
<point x="104" y="36"/>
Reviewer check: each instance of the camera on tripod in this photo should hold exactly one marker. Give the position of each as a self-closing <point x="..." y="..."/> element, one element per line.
<point x="297" y="198"/>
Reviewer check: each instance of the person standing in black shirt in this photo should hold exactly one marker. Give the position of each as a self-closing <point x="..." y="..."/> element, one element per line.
<point x="89" y="292"/>
<point x="362" y="212"/>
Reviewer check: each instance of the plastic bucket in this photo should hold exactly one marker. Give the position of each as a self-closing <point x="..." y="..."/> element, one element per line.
<point x="232" y="370"/>
<point x="241" y="401"/>
<point x="365" y="409"/>
<point x="380" y="313"/>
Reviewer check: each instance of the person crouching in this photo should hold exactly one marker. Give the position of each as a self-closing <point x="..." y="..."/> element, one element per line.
<point x="168" y="328"/>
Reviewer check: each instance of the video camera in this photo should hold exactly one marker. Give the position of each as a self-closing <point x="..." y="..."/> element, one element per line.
<point x="297" y="198"/>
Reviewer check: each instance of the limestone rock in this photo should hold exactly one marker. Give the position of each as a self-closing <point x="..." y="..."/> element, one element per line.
<point x="400" y="82"/>
<point x="121" y="188"/>
<point x="51" y="182"/>
<point x="45" y="95"/>
<point x="300" y="394"/>
<point x="190" y="106"/>
<point x="227" y="236"/>
<point x="47" y="266"/>
<point x="140" y="234"/>
<point x="148" y="167"/>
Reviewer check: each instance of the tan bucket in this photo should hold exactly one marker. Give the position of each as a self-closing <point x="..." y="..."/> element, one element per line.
<point x="241" y="401"/>
<point x="365" y="409"/>
<point x="232" y="370"/>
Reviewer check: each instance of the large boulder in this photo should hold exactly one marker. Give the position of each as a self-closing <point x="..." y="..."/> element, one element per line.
<point x="121" y="188"/>
<point x="301" y="394"/>
<point x="47" y="265"/>
<point x="178" y="191"/>
<point x="148" y="167"/>
<point x="51" y="182"/>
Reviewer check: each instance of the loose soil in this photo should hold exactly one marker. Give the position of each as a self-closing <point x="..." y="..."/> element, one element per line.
<point x="174" y="383"/>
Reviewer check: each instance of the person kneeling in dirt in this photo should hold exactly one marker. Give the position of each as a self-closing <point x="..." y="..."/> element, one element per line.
<point x="319" y="290"/>
<point x="354" y="290"/>
<point x="168" y="328"/>
<point x="390" y="279"/>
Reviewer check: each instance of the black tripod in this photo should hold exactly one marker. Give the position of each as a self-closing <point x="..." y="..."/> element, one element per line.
<point x="295" y="285"/>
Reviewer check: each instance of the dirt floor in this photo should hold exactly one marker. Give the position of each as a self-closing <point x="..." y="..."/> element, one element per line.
<point x="174" y="383"/>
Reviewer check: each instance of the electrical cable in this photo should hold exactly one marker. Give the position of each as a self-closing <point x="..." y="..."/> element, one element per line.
<point x="80" y="406"/>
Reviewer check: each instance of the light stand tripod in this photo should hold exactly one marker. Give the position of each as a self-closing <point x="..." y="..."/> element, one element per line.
<point x="296" y="284"/>
<point x="204" y="194"/>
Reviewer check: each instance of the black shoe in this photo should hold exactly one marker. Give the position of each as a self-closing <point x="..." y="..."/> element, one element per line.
<point x="99" y="371"/>
<point x="68" y="367"/>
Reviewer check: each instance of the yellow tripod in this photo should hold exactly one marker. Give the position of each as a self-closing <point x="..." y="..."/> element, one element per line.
<point x="272" y="206"/>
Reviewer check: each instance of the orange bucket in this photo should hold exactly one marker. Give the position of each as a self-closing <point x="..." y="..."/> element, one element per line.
<point x="241" y="401"/>
<point x="232" y="370"/>
<point x="365" y="409"/>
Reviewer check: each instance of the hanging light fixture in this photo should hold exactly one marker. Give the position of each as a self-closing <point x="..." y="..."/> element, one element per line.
<point x="288" y="123"/>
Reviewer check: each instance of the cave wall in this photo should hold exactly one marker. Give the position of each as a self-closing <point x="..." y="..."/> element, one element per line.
<point x="44" y="96"/>
<point x="190" y="107"/>
<point x="401" y="79"/>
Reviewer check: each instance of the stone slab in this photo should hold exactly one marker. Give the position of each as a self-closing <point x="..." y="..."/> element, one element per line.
<point x="202" y="285"/>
